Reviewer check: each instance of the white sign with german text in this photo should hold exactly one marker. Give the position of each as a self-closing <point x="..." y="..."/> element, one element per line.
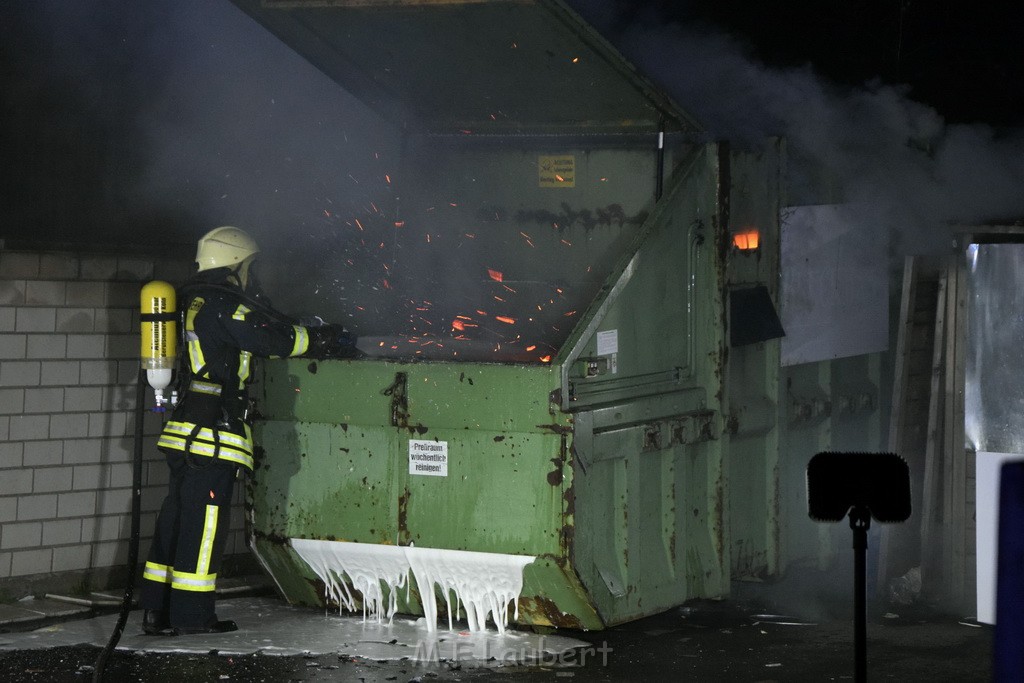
<point x="428" y="458"/>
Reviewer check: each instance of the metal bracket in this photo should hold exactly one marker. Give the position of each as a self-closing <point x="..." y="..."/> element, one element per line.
<point x="398" y="391"/>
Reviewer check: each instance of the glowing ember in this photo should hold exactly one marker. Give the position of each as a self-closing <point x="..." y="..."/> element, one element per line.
<point x="495" y="275"/>
<point x="505" y="319"/>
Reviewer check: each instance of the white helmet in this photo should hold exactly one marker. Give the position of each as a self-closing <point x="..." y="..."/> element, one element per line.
<point x="227" y="247"/>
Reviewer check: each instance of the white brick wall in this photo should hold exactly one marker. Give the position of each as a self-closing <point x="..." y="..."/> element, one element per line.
<point x="68" y="368"/>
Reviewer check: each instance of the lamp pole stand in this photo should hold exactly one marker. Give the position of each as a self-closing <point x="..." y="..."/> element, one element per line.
<point x="860" y="521"/>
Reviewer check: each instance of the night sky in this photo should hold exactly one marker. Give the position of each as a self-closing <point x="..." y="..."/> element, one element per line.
<point x="125" y="122"/>
<point x="966" y="59"/>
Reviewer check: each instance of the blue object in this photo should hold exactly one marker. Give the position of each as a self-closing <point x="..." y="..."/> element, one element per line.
<point x="1008" y="644"/>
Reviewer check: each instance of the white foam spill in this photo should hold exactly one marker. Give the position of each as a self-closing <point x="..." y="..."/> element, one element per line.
<point x="367" y="567"/>
<point x="481" y="583"/>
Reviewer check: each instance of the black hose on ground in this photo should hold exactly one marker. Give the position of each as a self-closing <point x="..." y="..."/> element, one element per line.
<point x="133" y="545"/>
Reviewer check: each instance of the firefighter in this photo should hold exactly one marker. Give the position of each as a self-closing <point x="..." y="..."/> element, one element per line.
<point x="208" y="438"/>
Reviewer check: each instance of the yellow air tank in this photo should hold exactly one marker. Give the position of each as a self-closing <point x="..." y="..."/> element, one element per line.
<point x="159" y="336"/>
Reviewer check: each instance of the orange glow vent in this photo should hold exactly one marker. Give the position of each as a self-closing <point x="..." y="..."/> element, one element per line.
<point x="746" y="240"/>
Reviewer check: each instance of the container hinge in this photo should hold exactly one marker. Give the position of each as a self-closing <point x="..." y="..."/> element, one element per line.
<point x="398" y="391"/>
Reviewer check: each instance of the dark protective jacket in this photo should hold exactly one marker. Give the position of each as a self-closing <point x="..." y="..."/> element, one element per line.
<point x="223" y="331"/>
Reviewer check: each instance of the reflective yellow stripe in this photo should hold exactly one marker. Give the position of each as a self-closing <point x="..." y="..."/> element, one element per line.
<point x="195" y="352"/>
<point x="200" y="447"/>
<point x="226" y="454"/>
<point x="241" y="312"/>
<point x="197" y="582"/>
<point x="235" y="448"/>
<point x="205" y="387"/>
<point x="301" y="341"/>
<point x="206" y="544"/>
<point x="196" y="360"/>
<point x="206" y="434"/>
<point x="244" y="358"/>
<point x="160" y="573"/>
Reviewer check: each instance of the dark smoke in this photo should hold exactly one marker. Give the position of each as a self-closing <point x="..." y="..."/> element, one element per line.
<point x="150" y="123"/>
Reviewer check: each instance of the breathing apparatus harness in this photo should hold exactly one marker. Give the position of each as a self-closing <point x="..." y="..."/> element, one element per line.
<point x="233" y="406"/>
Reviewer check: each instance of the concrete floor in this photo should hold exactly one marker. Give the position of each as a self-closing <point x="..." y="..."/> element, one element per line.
<point x="760" y="634"/>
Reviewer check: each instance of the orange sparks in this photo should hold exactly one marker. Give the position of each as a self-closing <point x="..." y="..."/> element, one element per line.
<point x="481" y="312"/>
<point x="470" y="235"/>
<point x="566" y="243"/>
<point x="387" y="285"/>
<point x="570" y="313"/>
<point x="509" y="289"/>
<point x="428" y="238"/>
<point x="360" y="308"/>
<point x="459" y="325"/>
<point x="399" y="224"/>
<point x="387" y="178"/>
<point x="504" y="319"/>
<point x="496" y="275"/>
<point x="499" y="299"/>
<point x="545" y="359"/>
<point x="358" y="224"/>
<point x="575" y="60"/>
<point x="531" y="348"/>
<point x="380" y="344"/>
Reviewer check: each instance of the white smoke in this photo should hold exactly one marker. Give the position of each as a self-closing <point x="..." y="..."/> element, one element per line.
<point x="871" y="145"/>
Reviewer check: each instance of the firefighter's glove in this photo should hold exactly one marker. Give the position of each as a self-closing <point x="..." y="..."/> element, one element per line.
<point x="331" y="341"/>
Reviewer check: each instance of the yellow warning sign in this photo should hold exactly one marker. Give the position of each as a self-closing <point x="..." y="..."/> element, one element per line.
<point x="557" y="171"/>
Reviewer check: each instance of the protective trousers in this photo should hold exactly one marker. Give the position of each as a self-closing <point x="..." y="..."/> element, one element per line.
<point x="188" y="544"/>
